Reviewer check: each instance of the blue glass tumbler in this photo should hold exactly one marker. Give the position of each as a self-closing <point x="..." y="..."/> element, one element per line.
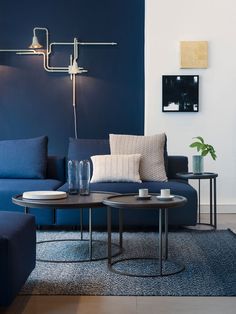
<point x="84" y="177"/>
<point x="73" y="176"/>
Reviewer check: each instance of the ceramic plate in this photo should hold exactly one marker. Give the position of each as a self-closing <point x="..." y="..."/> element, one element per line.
<point x="165" y="198"/>
<point x="44" y="195"/>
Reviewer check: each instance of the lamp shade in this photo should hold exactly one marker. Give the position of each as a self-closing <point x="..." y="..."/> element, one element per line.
<point x="35" y="43"/>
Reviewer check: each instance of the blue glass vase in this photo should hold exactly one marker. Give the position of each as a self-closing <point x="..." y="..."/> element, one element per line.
<point x="198" y="164"/>
<point x="84" y="177"/>
<point x="73" y="176"/>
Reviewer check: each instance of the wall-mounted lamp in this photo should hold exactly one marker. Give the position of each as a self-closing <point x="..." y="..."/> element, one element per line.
<point x="72" y="69"/>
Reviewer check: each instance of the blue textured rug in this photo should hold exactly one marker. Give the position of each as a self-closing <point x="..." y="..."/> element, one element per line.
<point x="209" y="258"/>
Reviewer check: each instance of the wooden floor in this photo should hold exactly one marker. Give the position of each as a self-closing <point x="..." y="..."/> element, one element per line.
<point x="128" y="305"/>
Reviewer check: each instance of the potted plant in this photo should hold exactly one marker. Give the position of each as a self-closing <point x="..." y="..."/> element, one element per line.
<point x="204" y="149"/>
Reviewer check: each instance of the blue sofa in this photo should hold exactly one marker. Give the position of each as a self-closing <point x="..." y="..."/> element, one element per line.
<point x="55" y="179"/>
<point x="80" y="149"/>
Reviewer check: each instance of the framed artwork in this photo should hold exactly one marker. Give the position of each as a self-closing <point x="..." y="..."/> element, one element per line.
<point x="180" y="93"/>
<point x="193" y="54"/>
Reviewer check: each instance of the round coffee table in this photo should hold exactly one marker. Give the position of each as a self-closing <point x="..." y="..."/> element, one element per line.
<point x="130" y="201"/>
<point x="91" y="201"/>
<point x="213" y="207"/>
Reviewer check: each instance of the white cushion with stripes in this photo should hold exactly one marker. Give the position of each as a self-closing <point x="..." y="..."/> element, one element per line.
<point x="116" y="168"/>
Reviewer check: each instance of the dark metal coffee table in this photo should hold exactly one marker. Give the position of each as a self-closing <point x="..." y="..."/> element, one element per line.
<point x="130" y="201"/>
<point x="92" y="201"/>
<point x="213" y="206"/>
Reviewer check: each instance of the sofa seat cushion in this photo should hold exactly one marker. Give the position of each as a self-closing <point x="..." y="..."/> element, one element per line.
<point x="176" y="187"/>
<point x="24" y="158"/>
<point x="153" y="187"/>
<point x="20" y="185"/>
<point x="186" y="215"/>
<point x="12" y="187"/>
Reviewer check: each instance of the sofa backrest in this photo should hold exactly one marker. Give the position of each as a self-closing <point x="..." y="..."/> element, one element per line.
<point x="56" y="168"/>
<point x="83" y="149"/>
<point x="23" y="158"/>
<point x="176" y="164"/>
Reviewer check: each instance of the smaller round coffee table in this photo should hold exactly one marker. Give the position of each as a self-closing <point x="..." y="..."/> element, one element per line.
<point x="92" y="201"/>
<point x="130" y="201"/>
<point x="213" y="207"/>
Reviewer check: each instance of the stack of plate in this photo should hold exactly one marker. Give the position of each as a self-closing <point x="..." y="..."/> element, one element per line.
<point x="44" y="195"/>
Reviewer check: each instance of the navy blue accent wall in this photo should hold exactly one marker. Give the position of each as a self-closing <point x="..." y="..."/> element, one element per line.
<point x="110" y="96"/>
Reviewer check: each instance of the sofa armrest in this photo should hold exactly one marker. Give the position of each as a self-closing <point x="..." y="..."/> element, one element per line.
<point x="176" y="164"/>
<point x="56" y="168"/>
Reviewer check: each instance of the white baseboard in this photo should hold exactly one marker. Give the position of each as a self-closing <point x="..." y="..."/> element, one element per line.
<point x="221" y="208"/>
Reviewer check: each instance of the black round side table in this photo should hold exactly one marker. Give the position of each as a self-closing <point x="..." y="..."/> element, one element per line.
<point x="132" y="202"/>
<point x="213" y="206"/>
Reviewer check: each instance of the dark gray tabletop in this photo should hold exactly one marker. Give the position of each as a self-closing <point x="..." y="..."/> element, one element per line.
<point x="94" y="199"/>
<point x="131" y="201"/>
<point x="191" y="175"/>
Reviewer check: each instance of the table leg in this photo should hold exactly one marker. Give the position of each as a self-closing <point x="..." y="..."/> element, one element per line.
<point x="81" y="223"/>
<point x="121" y="219"/>
<point x="166" y="233"/>
<point x="199" y="201"/>
<point x="160" y="241"/>
<point x="54" y="215"/>
<point x="211" y="202"/>
<point x="90" y="234"/>
<point x="26" y="210"/>
<point x="109" y="236"/>
<point x="215" y="214"/>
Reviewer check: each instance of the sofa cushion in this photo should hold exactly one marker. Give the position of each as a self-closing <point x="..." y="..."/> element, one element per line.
<point x="116" y="168"/>
<point x="186" y="215"/>
<point x="12" y="187"/>
<point x="82" y="149"/>
<point x="151" y="148"/>
<point x="24" y="158"/>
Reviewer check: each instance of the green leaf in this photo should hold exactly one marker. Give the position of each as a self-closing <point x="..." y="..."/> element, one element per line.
<point x="195" y="144"/>
<point x="213" y="155"/>
<point x="205" y="152"/>
<point x="200" y="139"/>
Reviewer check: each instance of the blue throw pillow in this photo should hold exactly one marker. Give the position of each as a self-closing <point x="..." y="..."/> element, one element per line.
<point x="24" y="158"/>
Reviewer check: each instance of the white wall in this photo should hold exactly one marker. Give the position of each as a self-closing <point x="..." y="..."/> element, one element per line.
<point x="167" y="23"/>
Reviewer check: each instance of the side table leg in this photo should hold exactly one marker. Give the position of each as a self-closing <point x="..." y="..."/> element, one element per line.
<point x="211" y="202"/>
<point x="54" y="215"/>
<point x="166" y="233"/>
<point x="215" y="213"/>
<point x="26" y="210"/>
<point x="121" y="219"/>
<point x="199" y="201"/>
<point x="160" y="241"/>
<point x="109" y="236"/>
<point x="81" y="223"/>
<point x="90" y="234"/>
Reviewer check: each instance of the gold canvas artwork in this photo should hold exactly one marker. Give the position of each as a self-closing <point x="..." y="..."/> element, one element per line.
<point x="193" y="54"/>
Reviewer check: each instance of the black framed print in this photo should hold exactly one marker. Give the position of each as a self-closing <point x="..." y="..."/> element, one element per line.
<point x="180" y="93"/>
